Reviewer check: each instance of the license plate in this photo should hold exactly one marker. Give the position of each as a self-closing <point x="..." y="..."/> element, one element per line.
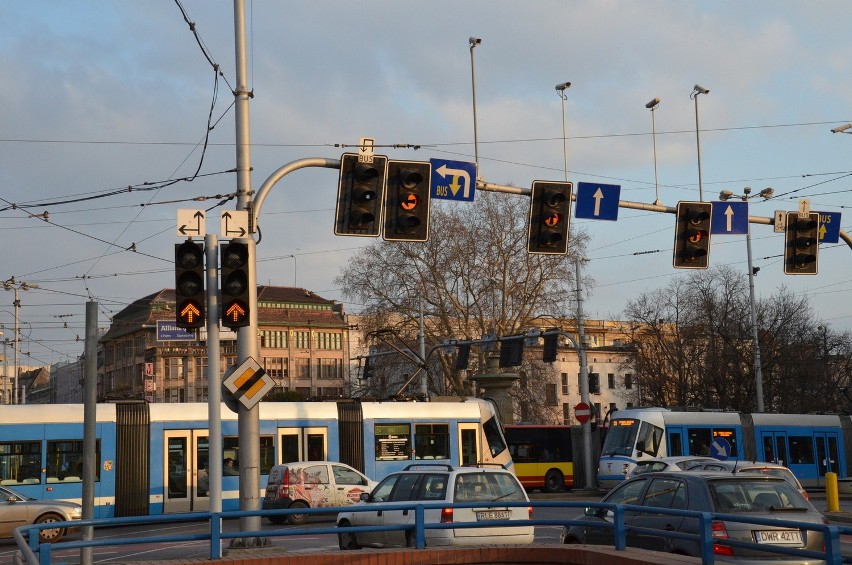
<point x="779" y="537"/>
<point x="493" y="515"/>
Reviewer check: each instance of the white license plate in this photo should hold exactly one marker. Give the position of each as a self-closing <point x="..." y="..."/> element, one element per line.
<point x="493" y="515"/>
<point x="779" y="537"/>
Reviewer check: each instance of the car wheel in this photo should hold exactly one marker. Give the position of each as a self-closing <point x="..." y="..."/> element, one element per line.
<point x="277" y="520"/>
<point x="297" y="519"/>
<point x="50" y="535"/>
<point x="554" y="481"/>
<point x="347" y="540"/>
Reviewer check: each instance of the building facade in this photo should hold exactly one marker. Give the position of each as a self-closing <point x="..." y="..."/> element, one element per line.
<point x="302" y="344"/>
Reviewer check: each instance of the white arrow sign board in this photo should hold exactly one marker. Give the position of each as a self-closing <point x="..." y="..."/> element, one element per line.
<point x="191" y="223"/>
<point x="233" y="224"/>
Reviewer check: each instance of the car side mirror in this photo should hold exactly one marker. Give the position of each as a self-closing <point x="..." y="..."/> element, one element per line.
<point x="591" y="511"/>
<point x="364" y="497"/>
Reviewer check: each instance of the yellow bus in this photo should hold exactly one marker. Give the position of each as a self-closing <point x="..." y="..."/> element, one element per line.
<point x="542" y="456"/>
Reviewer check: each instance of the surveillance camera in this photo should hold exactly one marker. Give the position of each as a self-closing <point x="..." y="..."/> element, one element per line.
<point x="698" y="89"/>
<point x="475" y="40"/>
<point x="653" y="104"/>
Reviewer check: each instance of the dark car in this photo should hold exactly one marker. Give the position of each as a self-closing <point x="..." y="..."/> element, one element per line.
<point x="742" y="494"/>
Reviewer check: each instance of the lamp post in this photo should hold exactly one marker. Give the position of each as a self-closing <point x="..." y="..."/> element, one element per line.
<point x="652" y="105"/>
<point x="295" y="270"/>
<point x="696" y="90"/>
<point x="766" y="193"/>
<point x="560" y="90"/>
<point x="474" y="41"/>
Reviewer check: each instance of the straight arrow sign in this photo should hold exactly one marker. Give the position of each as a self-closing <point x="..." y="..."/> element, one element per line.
<point x="729" y="218"/>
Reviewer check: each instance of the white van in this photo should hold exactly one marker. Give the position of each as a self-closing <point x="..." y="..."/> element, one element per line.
<point x="312" y="484"/>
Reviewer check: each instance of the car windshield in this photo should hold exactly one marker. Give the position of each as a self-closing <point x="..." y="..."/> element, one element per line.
<point x="755" y="495"/>
<point x="650" y="467"/>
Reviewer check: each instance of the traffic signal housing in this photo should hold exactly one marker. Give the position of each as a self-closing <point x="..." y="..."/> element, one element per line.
<point x="550" y="216"/>
<point x="801" y="244"/>
<point x="692" y="235"/>
<point x="190" y="299"/>
<point x="511" y="351"/>
<point x="235" y="261"/>
<point x="407" y="199"/>
<point x="551" y="348"/>
<point x="360" y="196"/>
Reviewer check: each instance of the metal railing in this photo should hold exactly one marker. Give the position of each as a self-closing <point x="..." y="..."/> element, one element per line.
<point x="32" y="552"/>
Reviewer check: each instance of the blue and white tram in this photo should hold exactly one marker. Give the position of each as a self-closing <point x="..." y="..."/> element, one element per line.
<point x="811" y="445"/>
<point x="149" y="455"/>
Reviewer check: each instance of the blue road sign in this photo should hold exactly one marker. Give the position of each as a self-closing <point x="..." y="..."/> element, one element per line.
<point x="729" y="218"/>
<point x="720" y="448"/>
<point x="453" y="180"/>
<point x="597" y="201"/>
<point x="829" y="227"/>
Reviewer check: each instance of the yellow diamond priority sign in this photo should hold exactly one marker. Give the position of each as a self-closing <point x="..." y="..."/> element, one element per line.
<point x="249" y="383"/>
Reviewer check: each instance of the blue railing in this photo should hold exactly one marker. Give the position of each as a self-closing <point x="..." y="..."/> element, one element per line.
<point x="32" y="552"/>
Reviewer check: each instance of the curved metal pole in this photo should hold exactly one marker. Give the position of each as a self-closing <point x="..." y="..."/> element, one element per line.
<point x="279" y="174"/>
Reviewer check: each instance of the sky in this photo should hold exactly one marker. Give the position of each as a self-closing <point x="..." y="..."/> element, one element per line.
<point x="105" y="103"/>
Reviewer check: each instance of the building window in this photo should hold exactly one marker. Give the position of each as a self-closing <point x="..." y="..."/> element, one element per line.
<point x="303" y="368"/>
<point x="275" y="367"/>
<point x="628" y="381"/>
<point x="550" y="393"/>
<point x="566" y="413"/>
<point x="329" y="340"/>
<point x="610" y="380"/>
<point x="329" y="368"/>
<point x="174" y="367"/>
<point x="303" y="340"/>
<point x="273" y="339"/>
<point x="564" y="384"/>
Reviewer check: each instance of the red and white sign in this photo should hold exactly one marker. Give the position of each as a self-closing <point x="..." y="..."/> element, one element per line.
<point x="582" y="412"/>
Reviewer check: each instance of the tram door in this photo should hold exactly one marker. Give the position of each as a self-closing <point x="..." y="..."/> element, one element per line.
<point x="185" y="483"/>
<point x="302" y="444"/>
<point x="827" y="456"/>
<point x="469" y="448"/>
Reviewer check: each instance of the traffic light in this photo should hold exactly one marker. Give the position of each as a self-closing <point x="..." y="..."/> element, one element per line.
<point x="511" y="351"/>
<point x="801" y="244"/>
<point x="360" y="196"/>
<point x="369" y="371"/>
<point x="551" y="345"/>
<point x="235" y="284"/>
<point x="692" y="235"/>
<point x="550" y="214"/>
<point x="189" y="284"/>
<point x="463" y="357"/>
<point x="407" y="197"/>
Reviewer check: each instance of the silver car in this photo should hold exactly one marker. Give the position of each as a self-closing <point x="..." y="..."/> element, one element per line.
<point x="744" y="495"/>
<point x="17" y="510"/>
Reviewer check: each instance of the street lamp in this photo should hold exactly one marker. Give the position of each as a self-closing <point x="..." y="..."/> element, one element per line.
<point x="766" y="194"/>
<point x="696" y="90"/>
<point x="560" y="90"/>
<point x="474" y="41"/>
<point x="842" y="129"/>
<point x="652" y="105"/>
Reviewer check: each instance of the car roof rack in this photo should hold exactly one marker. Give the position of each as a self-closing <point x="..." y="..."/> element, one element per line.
<point x="414" y="466"/>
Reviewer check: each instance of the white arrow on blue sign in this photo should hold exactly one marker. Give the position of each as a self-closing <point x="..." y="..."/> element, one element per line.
<point x="597" y="201"/>
<point x="453" y="180"/>
<point x="729" y="218"/>
<point x="720" y="448"/>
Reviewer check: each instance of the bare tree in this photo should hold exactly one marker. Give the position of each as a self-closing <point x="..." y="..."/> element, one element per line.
<point x="472" y="278"/>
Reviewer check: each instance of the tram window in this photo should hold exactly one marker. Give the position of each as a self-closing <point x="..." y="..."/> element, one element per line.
<point x="20" y="462"/>
<point x="801" y="450"/>
<point x="231" y="449"/>
<point x="431" y="441"/>
<point x="65" y="460"/>
<point x="393" y="442"/>
<point x="289" y="448"/>
<point x="699" y="441"/>
<point x="649" y="438"/>
<point x="496" y="444"/>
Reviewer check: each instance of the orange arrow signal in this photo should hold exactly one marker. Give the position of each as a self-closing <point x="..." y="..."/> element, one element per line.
<point x="235" y="312"/>
<point x="189" y="312"/>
